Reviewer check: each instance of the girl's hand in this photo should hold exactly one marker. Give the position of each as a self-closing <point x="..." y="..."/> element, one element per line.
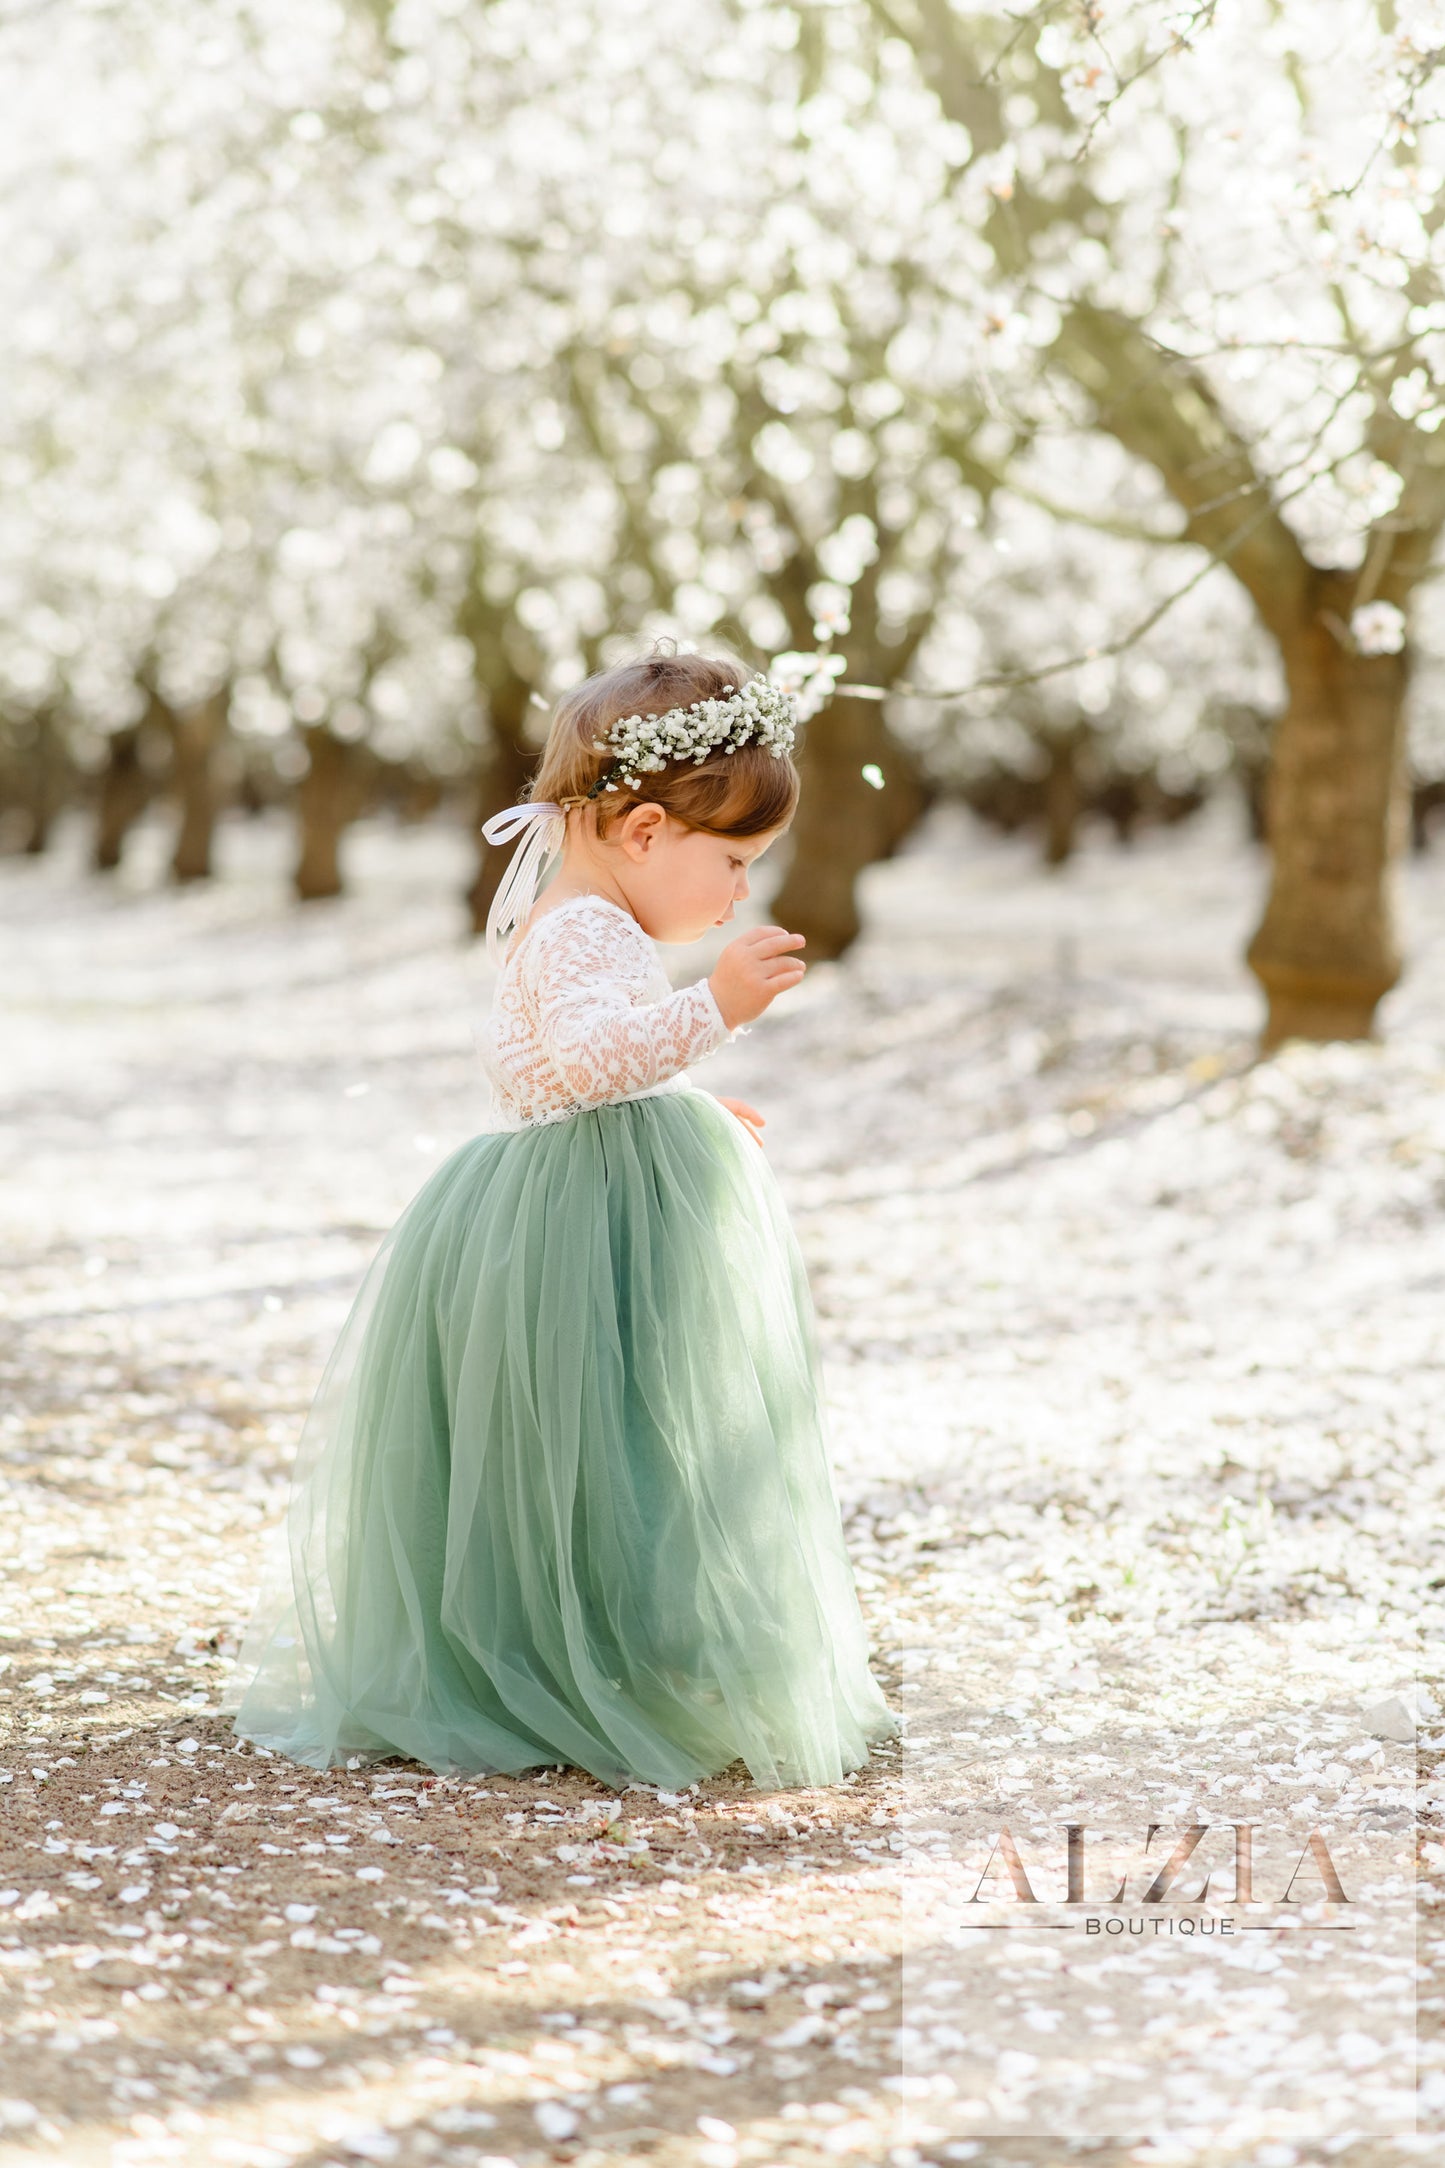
<point x="750" y="1118"/>
<point x="753" y="970"/>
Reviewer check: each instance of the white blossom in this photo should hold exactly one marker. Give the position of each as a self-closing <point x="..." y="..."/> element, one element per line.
<point x="808" y="678"/>
<point x="1378" y="628"/>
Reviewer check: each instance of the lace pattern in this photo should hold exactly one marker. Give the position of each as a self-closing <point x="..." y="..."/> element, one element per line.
<point x="584" y="1015"/>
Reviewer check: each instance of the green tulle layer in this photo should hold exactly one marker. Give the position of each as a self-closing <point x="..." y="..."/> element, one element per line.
<point x="564" y="1492"/>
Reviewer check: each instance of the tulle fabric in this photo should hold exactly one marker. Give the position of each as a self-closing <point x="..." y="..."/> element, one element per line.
<point x="563" y="1495"/>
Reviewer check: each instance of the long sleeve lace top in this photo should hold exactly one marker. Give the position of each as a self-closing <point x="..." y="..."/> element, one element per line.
<point x="584" y="1014"/>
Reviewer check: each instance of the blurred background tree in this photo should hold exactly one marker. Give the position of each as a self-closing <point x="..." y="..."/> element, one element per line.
<point x="377" y="370"/>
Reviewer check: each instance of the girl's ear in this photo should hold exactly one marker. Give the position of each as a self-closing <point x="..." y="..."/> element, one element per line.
<point x="642" y="830"/>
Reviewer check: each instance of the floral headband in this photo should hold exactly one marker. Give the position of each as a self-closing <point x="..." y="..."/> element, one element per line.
<point x="645" y="744"/>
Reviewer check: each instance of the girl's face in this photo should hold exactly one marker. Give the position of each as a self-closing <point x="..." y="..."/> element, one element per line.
<point x="682" y="881"/>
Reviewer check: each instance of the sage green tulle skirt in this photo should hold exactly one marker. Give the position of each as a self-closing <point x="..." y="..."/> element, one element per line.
<point x="564" y="1495"/>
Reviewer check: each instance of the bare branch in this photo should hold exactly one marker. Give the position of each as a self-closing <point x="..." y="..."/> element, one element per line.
<point x="1002" y="680"/>
<point x="1156" y="404"/>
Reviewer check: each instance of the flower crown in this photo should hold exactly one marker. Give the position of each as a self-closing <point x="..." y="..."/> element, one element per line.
<point x="644" y="744"/>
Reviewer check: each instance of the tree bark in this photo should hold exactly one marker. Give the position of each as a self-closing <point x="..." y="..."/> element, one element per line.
<point x="196" y="736"/>
<point x="1328" y="948"/>
<point x="843" y="823"/>
<point x="328" y="799"/>
<point x="125" y="791"/>
<point x="1427" y="801"/>
<point x="1062" y="800"/>
<point x="47" y="783"/>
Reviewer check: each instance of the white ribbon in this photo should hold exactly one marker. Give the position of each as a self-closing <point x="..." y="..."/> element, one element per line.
<point x="517" y="890"/>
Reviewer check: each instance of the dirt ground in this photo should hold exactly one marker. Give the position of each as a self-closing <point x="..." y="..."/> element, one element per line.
<point x="1138" y="1532"/>
<point x="234" y="1960"/>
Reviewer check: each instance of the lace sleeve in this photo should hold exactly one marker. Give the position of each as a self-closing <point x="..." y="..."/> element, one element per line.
<point x="592" y="980"/>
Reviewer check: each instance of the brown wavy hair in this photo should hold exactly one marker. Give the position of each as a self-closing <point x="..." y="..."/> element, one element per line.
<point x="744" y="793"/>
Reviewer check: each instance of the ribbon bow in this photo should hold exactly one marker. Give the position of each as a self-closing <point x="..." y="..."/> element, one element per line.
<point x="517" y="889"/>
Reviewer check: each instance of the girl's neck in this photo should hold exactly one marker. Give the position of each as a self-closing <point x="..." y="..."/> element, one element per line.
<point x="584" y="872"/>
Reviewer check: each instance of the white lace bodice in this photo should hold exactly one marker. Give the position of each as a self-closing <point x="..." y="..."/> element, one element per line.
<point x="583" y="1014"/>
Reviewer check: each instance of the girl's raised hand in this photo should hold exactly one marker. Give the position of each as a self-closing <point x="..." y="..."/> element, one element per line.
<point x="753" y="970"/>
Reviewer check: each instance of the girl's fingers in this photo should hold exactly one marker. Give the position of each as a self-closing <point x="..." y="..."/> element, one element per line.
<point x="750" y="1118"/>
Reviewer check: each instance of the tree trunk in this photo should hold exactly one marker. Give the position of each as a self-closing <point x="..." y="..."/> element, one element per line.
<point x="328" y="799"/>
<point x="1062" y="804"/>
<point x="508" y="763"/>
<point x="843" y="823"/>
<point x="1327" y="949"/>
<point x="46" y="783"/>
<point x="1254" y="785"/>
<point x="195" y="737"/>
<point x="125" y="791"/>
<point x="1427" y="800"/>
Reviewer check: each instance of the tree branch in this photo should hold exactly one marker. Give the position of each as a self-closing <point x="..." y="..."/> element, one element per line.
<point x="1158" y="406"/>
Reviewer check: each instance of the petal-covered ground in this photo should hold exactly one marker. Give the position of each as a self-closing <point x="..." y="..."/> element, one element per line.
<point x="1134" y="1352"/>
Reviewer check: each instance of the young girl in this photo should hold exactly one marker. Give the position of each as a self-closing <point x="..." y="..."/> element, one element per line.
<point x="563" y="1496"/>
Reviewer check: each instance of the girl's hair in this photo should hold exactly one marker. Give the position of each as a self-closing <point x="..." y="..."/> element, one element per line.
<point x="743" y="793"/>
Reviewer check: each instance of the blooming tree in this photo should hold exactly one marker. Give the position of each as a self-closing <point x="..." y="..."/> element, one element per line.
<point x="378" y="370"/>
<point x="1244" y="292"/>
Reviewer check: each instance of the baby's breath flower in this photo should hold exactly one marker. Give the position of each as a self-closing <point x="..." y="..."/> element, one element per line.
<point x="646" y="744"/>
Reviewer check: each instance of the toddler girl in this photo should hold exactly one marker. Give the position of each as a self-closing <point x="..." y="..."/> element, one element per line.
<point x="563" y="1496"/>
